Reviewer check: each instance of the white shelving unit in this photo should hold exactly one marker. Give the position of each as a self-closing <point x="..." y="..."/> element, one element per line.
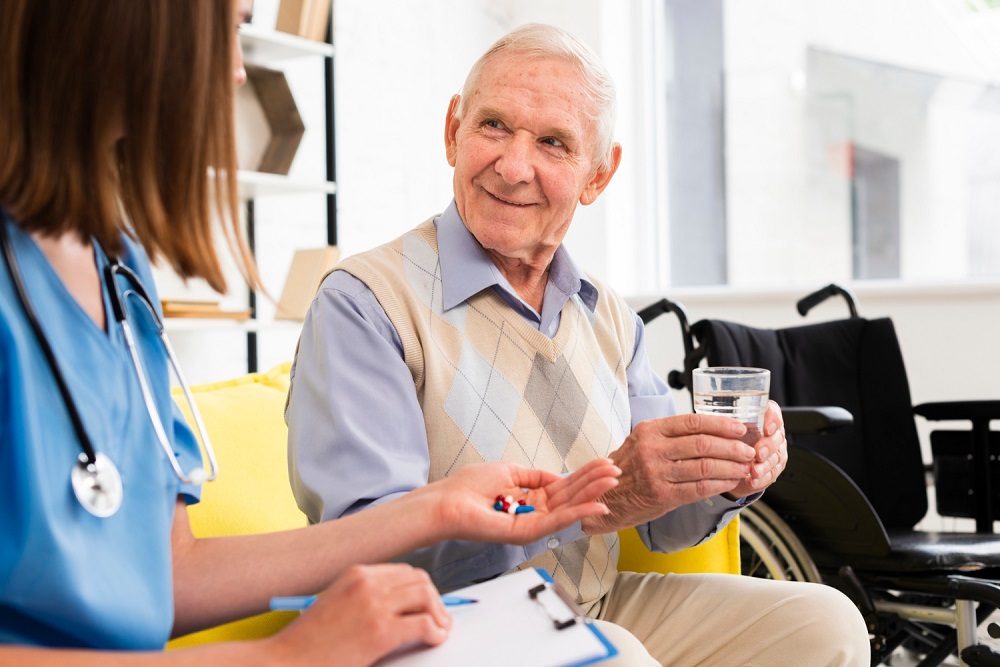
<point x="262" y="46"/>
<point x="193" y="324"/>
<point x="256" y="184"/>
<point x="269" y="48"/>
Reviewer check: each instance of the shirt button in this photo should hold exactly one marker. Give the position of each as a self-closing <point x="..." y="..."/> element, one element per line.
<point x="708" y="501"/>
<point x="552" y="543"/>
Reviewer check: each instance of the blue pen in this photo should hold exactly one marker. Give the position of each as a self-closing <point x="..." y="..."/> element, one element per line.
<point x="292" y="603"/>
<point x="301" y="602"/>
<point x="452" y="601"/>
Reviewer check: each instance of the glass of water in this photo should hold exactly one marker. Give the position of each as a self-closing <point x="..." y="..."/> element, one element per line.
<point x="737" y="392"/>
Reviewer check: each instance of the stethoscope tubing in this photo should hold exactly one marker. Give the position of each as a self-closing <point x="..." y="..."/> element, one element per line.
<point x="88" y="457"/>
<point x="136" y="289"/>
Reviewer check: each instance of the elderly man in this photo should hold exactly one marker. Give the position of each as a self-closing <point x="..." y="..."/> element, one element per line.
<point x="475" y="337"/>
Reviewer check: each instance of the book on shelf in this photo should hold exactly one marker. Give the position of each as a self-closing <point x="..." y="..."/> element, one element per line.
<point x="202" y="309"/>
<point x="305" y="18"/>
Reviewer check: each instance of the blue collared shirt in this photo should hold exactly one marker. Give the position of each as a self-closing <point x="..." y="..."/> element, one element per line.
<point x="356" y="430"/>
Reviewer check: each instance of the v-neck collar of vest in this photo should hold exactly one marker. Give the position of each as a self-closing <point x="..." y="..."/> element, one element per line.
<point x="550" y="348"/>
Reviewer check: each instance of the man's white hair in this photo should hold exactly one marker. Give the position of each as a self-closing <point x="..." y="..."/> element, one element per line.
<point x="536" y="39"/>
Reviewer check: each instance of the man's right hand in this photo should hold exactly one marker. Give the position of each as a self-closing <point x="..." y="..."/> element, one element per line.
<point x="670" y="462"/>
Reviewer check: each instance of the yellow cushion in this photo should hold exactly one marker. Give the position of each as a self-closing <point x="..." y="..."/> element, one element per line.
<point x="245" y="420"/>
<point x="719" y="554"/>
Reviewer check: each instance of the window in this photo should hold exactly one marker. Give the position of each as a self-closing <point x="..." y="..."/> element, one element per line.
<point x="812" y="141"/>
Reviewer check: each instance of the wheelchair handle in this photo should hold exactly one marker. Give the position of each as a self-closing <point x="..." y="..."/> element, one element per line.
<point x="808" y="302"/>
<point x="676" y="379"/>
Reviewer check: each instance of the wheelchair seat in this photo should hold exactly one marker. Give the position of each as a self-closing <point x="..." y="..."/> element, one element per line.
<point x="851" y="496"/>
<point x="833" y="518"/>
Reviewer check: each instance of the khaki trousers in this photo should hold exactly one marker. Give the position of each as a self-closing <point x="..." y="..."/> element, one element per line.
<point x="724" y="620"/>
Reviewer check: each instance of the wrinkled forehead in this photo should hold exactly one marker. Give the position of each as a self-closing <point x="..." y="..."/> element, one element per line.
<point x="537" y="83"/>
<point x="517" y="68"/>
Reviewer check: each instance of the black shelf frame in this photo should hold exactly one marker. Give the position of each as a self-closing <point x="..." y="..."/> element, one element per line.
<point x="331" y="198"/>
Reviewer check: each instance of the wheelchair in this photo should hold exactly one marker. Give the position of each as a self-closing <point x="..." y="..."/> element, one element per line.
<point x="843" y="512"/>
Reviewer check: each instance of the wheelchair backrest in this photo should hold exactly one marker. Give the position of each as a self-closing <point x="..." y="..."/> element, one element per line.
<point x="852" y="363"/>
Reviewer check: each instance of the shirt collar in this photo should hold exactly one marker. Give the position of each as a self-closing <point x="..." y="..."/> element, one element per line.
<point x="466" y="269"/>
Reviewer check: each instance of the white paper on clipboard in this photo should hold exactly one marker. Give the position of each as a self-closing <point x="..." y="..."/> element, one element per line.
<point x="509" y="627"/>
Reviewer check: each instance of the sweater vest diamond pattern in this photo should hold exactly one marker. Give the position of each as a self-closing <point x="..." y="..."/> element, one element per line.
<point x="492" y="387"/>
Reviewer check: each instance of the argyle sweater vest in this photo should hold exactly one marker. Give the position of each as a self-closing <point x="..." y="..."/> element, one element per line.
<point x="493" y="387"/>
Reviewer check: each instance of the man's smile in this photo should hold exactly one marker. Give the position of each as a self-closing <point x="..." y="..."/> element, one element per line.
<point x="505" y="200"/>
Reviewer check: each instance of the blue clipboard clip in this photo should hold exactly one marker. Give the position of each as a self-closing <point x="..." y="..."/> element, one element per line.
<point x="557" y="605"/>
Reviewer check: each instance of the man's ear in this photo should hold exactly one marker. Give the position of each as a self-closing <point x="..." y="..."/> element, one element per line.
<point x="451" y="124"/>
<point x="601" y="179"/>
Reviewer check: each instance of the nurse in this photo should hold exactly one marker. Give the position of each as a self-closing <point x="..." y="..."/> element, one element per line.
<point x="111" y="114"/>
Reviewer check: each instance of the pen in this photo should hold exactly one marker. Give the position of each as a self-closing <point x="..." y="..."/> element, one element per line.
<point x="292" y="602"/>
<point x="452" y="601"/>
<point x="301" y="602"/>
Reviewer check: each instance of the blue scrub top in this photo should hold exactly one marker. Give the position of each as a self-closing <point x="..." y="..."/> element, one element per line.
<point x="68" y="578"/>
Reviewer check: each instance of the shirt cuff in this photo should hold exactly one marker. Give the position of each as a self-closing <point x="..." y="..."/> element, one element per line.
<point x="563" y="537"/>
<point x="744" y="501"/>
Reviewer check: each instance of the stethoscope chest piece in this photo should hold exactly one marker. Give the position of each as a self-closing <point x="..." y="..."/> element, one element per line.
<point x="97" y="485"/>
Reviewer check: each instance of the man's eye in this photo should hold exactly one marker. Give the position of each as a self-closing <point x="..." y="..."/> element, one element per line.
<point x="552" y="141"/>
<point x="495" y="124"/>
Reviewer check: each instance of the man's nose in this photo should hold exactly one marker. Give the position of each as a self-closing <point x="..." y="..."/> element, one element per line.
<point x="515" y="161"/>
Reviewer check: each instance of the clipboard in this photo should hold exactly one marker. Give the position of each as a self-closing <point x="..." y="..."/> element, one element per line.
<point x="522" y="619"/>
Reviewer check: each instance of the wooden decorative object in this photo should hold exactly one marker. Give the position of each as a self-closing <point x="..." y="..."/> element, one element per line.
<point x="305" y="18"/>
<point x="283" y="118"/>
<point x="309" y="267"/>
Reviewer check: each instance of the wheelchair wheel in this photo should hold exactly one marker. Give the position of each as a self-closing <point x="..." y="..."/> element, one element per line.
<point x="770" y="550"/>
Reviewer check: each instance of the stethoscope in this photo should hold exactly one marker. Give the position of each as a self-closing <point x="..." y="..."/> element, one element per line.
<point x="94" y="477"/>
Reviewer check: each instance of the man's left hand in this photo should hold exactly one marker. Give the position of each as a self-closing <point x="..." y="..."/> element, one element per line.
<point x="771" y="458"/>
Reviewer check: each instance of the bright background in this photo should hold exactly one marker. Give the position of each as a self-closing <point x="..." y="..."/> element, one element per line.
<point x="737" y="194"/>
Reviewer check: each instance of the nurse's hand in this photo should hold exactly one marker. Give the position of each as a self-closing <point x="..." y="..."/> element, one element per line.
<point x="466" y="498"/>
<point x="366" y="613"/>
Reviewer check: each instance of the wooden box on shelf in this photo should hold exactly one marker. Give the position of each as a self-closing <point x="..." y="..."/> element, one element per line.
<point x="305" y="18"/>
<point x="308" y="269"/>
<point x="283" y="119"/>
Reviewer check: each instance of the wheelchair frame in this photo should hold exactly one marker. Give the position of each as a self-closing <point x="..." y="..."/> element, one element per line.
<point x="899" y="610"/>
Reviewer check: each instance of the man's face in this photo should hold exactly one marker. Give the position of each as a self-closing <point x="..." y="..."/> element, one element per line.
<point x="523" y="154"/>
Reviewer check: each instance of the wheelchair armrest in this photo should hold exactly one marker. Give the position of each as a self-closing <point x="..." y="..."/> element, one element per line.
<point x="970" y="588"/>
<point x="974" y="410"/>
<point x="807" y="420"/>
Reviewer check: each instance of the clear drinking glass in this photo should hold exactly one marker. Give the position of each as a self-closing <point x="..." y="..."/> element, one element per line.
<point x="737" y="392"/>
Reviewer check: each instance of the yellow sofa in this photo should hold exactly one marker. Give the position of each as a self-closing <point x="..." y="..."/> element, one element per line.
<point x="245" y="420"/>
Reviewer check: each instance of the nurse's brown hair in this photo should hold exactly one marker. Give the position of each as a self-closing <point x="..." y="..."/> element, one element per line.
<point x="113" y="115"/>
